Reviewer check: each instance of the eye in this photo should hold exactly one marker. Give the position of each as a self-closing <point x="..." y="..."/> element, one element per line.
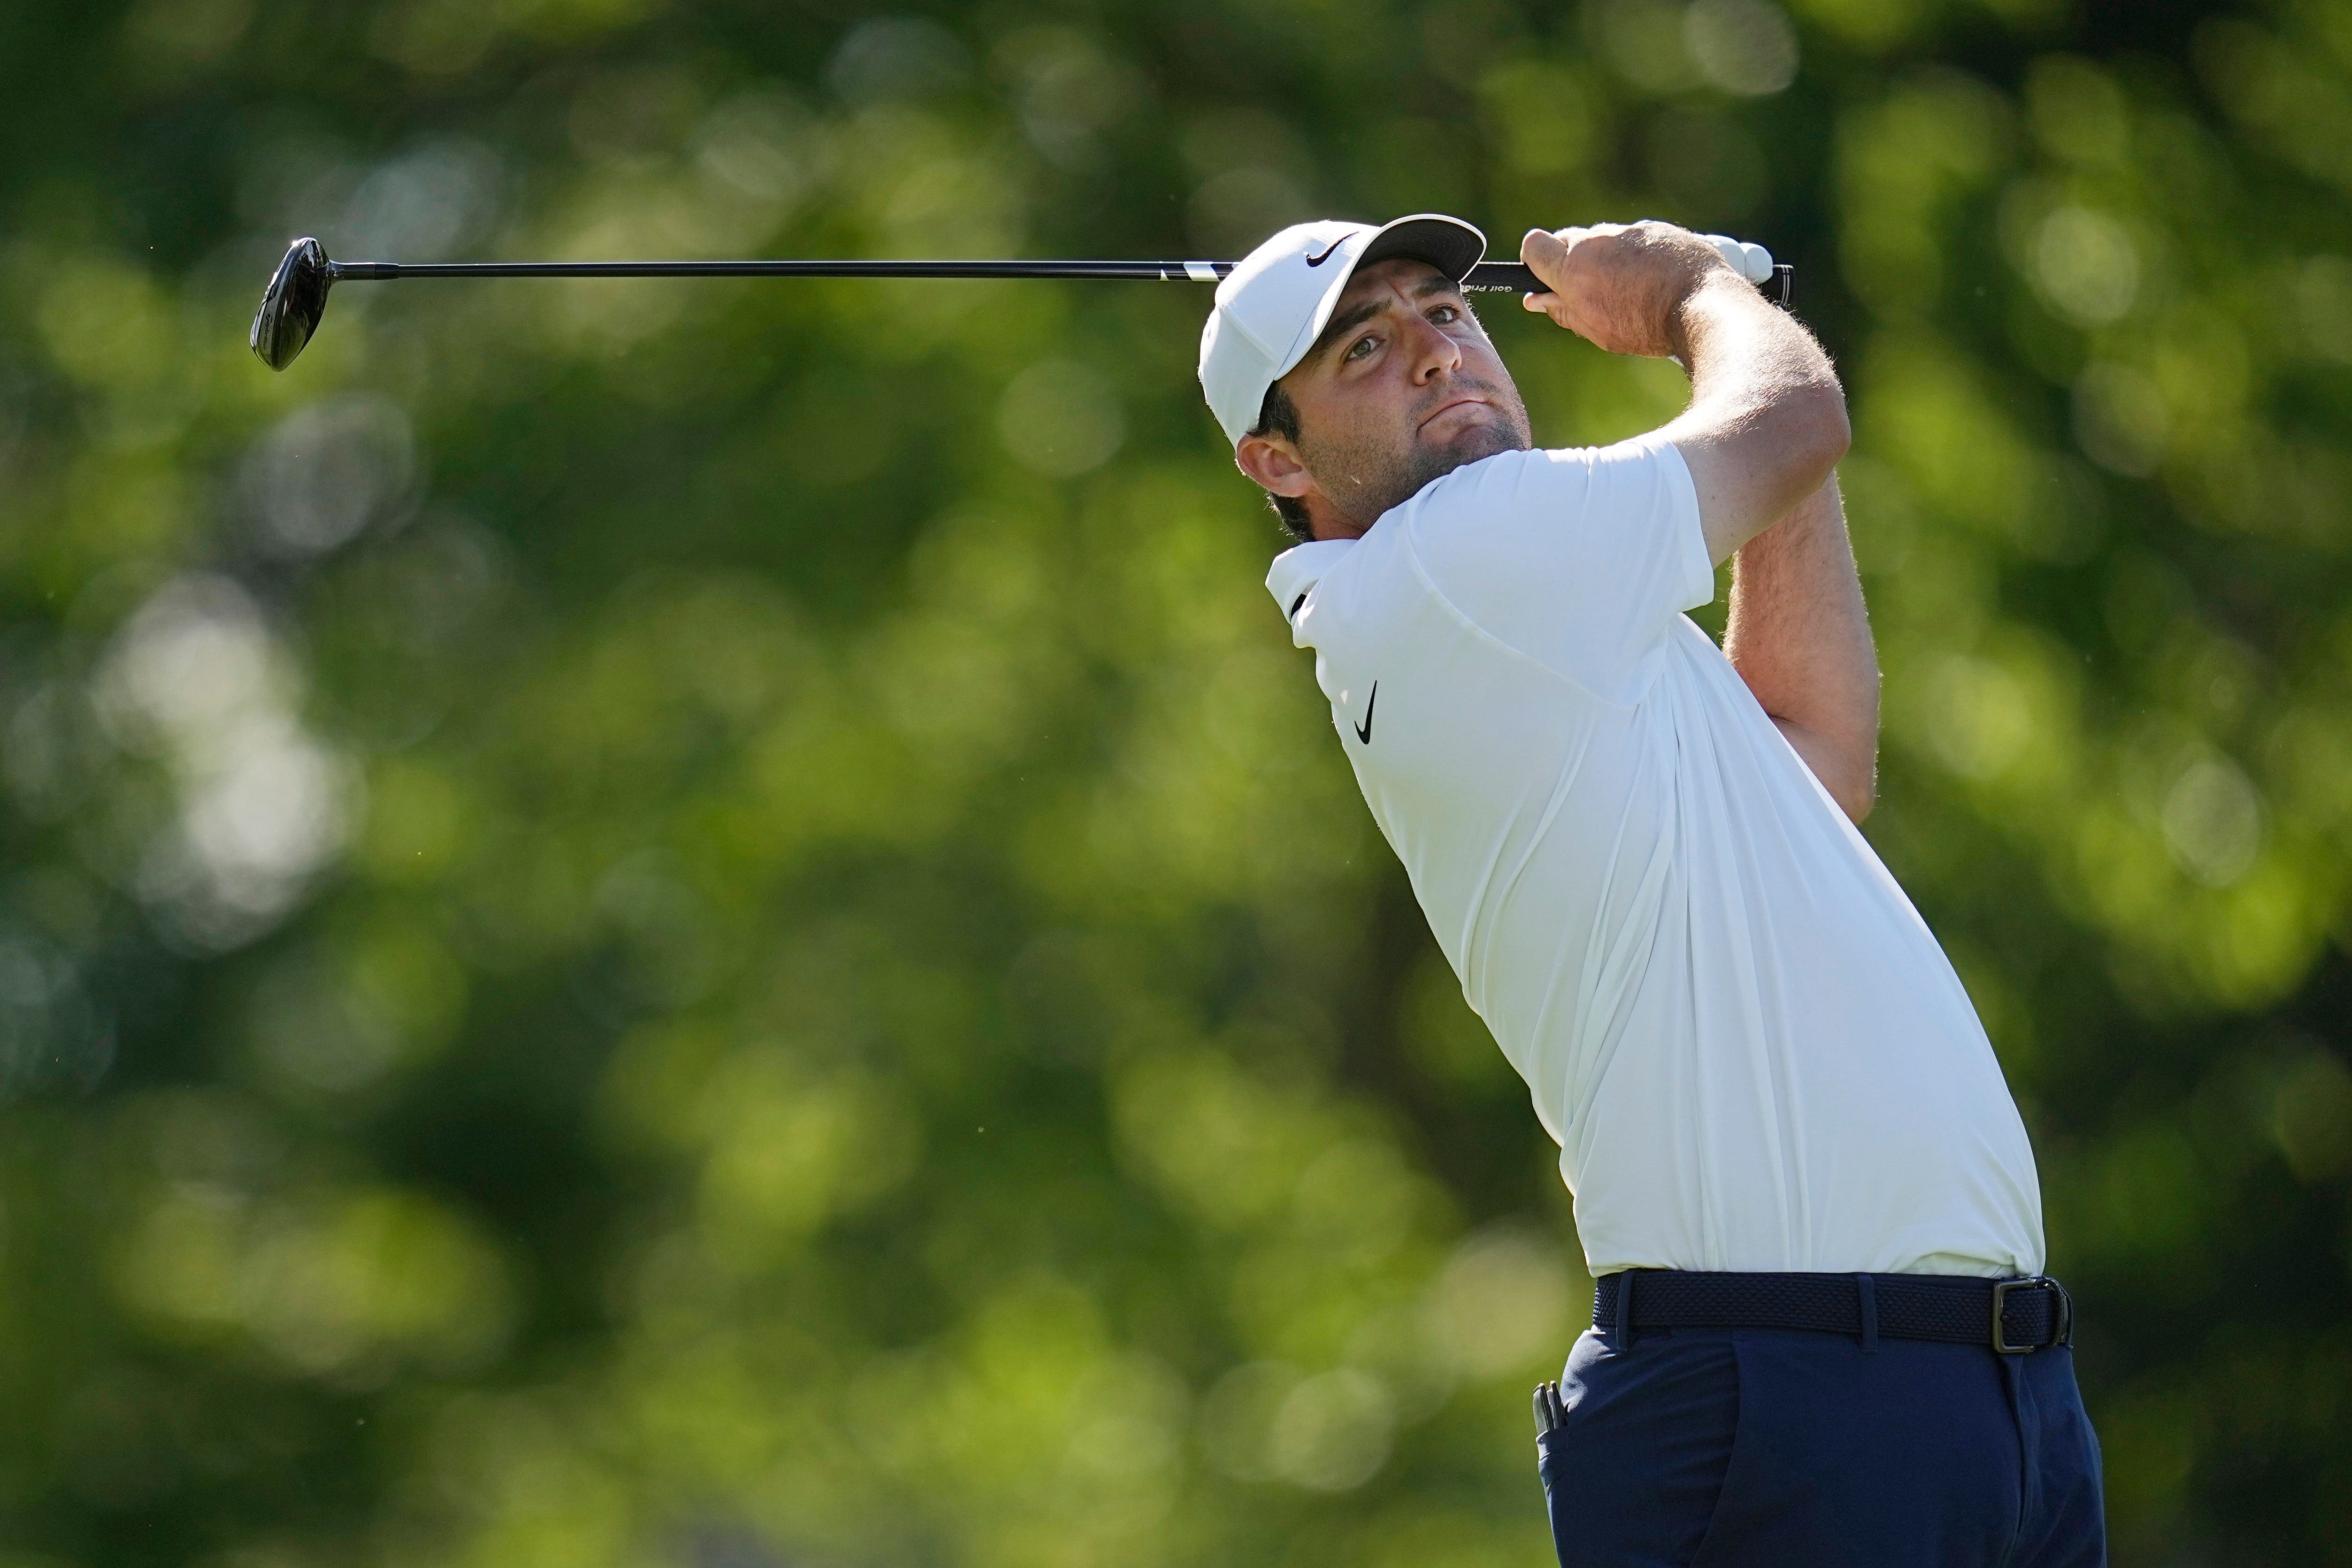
<point x="1445" y="315"/>
<point x="1362" y="346"/>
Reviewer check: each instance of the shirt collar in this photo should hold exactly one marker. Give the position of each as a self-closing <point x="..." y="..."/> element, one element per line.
<point x="1297" y="570"/>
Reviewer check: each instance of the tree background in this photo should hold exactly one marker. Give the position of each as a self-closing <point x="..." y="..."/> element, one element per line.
<point x="710" y="924"/>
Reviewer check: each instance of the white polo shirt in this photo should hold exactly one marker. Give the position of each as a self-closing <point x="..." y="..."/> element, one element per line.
<point x="1748" y="1045"/>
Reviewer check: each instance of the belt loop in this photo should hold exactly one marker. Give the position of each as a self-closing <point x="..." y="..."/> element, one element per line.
<point x="1625" y="1306"/>
<point x="1868" y="1290"/>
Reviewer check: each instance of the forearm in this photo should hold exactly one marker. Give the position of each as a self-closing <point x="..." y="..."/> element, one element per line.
<point x="1767" y="423"/>
<point x="1745" y="355"/>
<point x="1800" y="636"/>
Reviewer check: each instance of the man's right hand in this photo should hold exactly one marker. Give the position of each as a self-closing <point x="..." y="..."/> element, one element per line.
<point x="1622" y="286"/>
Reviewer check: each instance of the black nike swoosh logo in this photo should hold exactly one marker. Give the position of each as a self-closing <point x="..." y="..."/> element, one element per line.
<point x="1364" y="729"/>
<point x="1320" y="260"/>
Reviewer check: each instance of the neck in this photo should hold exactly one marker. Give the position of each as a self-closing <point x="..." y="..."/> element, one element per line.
<point x="1330" y="522"/>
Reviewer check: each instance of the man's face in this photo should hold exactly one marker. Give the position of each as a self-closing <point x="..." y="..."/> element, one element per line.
<point x="1403" y="386"/>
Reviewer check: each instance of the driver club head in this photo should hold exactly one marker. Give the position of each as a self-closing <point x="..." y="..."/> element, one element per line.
<point x="292" y="304"/>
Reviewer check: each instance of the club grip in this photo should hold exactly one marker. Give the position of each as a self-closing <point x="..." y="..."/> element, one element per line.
<point x="1501" y="276"/>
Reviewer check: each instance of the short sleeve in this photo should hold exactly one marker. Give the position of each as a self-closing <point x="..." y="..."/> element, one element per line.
<point x="1578" y="559"/>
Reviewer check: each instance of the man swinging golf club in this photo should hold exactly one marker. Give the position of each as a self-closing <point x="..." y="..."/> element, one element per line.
<point x="1821" y="1335"/>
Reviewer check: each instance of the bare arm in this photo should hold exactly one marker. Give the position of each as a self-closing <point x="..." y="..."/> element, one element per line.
<point x="1800" y="639"/>
<point x="1767" y="421"/>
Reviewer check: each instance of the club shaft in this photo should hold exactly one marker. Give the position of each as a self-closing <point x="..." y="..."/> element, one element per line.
<point x="1485" y="276"/>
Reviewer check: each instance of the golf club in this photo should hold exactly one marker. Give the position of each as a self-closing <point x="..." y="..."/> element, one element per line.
<point x="296" y="298"/>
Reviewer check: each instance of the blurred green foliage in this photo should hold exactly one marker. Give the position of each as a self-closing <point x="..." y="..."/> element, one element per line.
<point x="710" y="924"/>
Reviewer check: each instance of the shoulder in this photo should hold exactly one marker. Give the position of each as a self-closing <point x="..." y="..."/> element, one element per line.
<point x="1490" y="492"/>
<point x="1548" y="482"/>
<point x="1507" y="474"/>
<point x="1486" y="480"/>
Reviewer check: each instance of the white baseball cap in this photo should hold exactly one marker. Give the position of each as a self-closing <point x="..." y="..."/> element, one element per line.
<point x="1273" y="306"/>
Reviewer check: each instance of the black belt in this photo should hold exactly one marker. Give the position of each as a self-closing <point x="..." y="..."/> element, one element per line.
<point x="2011" y="1316"/>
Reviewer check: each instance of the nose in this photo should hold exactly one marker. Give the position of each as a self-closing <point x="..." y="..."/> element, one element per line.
<point x="1435" y="353"/>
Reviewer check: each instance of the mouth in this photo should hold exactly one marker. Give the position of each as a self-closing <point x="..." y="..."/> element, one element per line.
<point x="1446" y="408"/>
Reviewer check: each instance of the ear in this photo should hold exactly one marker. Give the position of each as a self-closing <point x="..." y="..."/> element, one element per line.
<point x="1271" y="464"/>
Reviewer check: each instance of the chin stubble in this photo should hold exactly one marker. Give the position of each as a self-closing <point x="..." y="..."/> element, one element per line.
<point x="1378" y="479"/>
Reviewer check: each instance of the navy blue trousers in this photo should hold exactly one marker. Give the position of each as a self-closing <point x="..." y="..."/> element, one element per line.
<point x="1758" y="1448"/>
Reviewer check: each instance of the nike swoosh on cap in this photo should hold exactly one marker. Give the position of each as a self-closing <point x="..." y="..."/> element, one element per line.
<point x="1320" y="260"/>
<point x="1364" y="729"/>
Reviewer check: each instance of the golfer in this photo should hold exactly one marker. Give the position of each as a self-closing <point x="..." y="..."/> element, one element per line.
<point x="1821" y="1335"/>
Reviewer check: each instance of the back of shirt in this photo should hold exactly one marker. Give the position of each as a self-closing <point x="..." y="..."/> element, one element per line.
<point x="1750" y="1048"/>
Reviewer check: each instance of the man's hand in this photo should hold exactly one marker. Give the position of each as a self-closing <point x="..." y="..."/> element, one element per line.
<point x="1622" y="286"/>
